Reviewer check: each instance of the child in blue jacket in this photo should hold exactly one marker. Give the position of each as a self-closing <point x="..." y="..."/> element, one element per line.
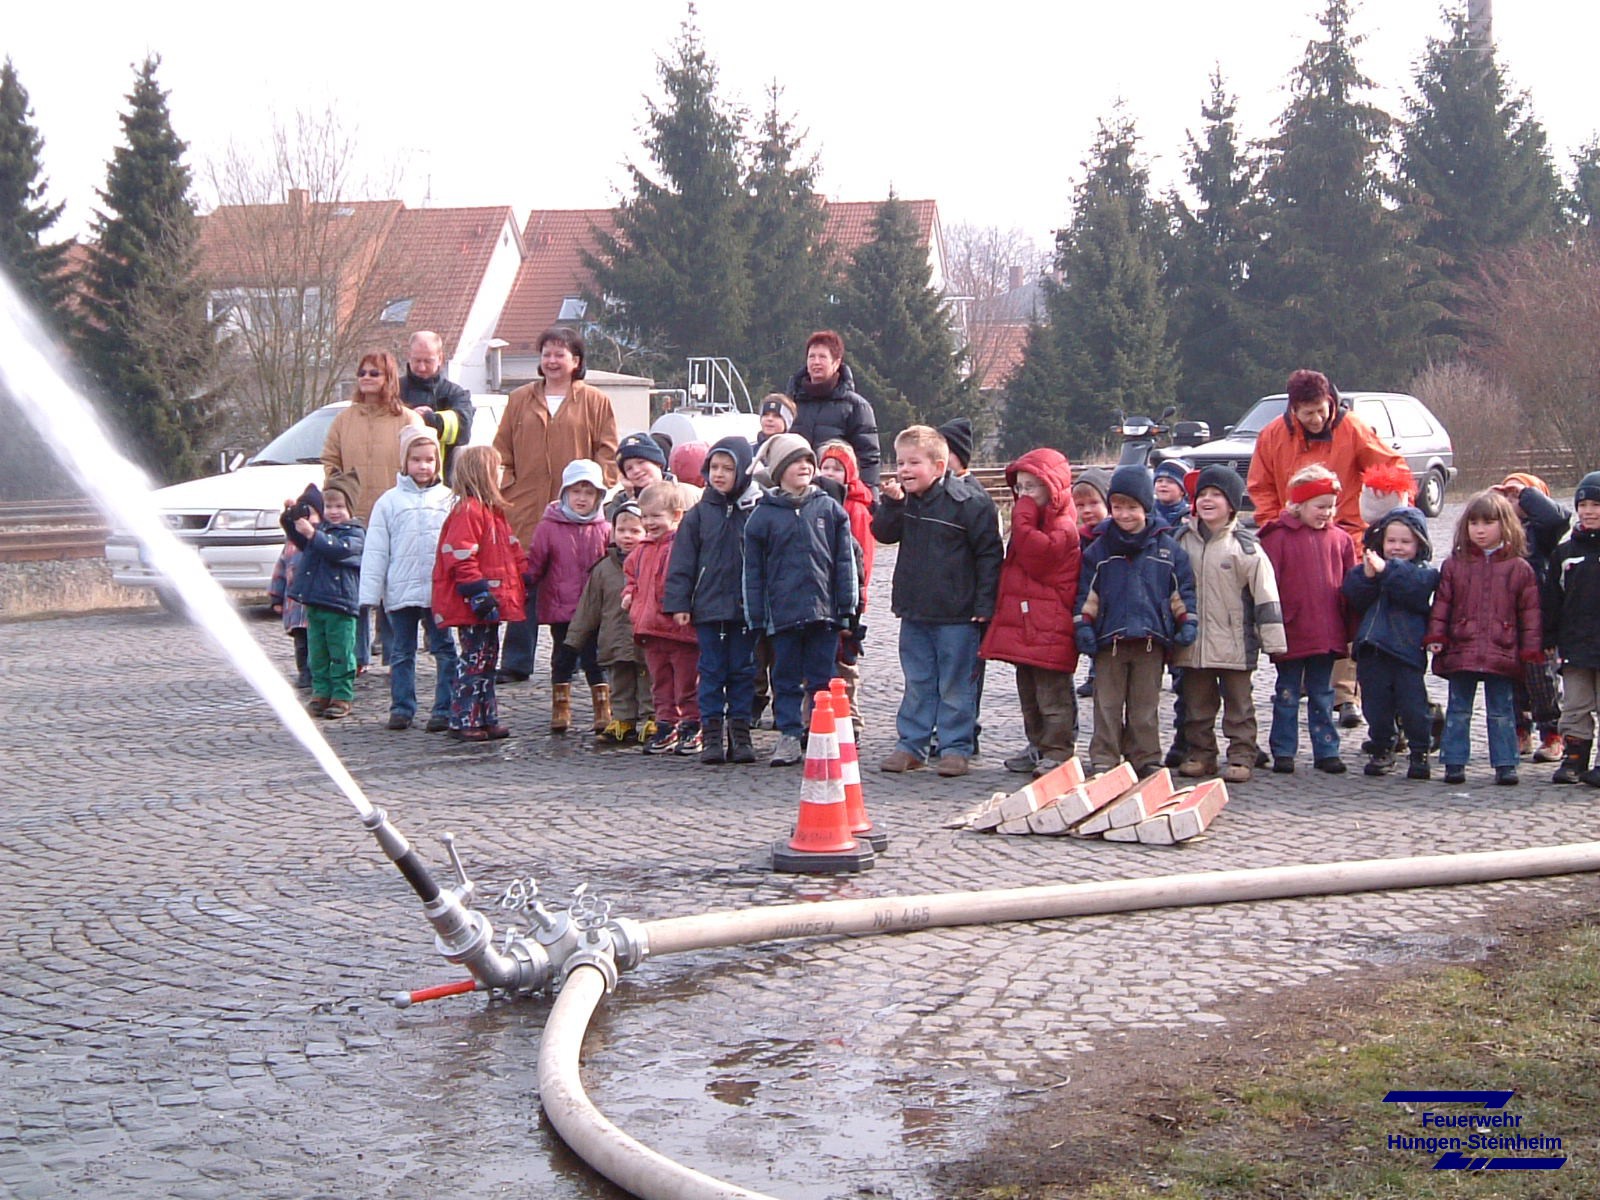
<point x="1392" y="590"/>
<point x="1136" y="600"/>
<point x="330" y="539"/>
<point x="705" y="585"/>
<point x="799" y="582"/>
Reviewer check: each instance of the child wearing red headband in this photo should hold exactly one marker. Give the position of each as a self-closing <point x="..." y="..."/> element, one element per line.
<point x="1310" y="555"/>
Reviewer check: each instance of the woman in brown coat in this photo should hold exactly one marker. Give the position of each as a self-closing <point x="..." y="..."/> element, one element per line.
<point x="548" y="424"/>
<point x="365" y="438"/>
<point x="364" y="442"/>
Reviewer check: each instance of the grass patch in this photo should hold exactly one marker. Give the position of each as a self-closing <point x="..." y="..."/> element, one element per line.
<point x="1316" y="1127"/>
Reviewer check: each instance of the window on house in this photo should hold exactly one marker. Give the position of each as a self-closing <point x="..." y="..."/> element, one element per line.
<point x="573" y="308"/>
<point x="396" y="312"/>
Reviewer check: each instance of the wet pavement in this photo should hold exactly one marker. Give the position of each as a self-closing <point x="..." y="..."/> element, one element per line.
<point x="202" y="940"/>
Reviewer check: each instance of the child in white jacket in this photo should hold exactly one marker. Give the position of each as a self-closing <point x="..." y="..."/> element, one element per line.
<point x="397" y="571"/>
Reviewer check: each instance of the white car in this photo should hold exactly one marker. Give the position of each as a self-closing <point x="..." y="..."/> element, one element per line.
<point x="232" y="519"/>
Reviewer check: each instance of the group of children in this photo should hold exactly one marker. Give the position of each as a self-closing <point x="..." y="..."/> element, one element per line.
<point x="674" y="599"/>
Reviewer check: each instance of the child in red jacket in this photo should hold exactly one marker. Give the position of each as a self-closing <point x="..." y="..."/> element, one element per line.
<point x="477" y="583"/>
<point x="1484" y="626"/>
<point x="671" y="650"/>
<point x="1310" y="555"/>
<point x="1032" y="624"/>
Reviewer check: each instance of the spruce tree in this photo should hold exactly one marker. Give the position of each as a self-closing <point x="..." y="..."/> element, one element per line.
<point x="1474" y="156"/>
<point x="1583" y="202"/>
<point x="787" y="271"/>
<point x="1108" y="314"/>
<point x="1212" y="326"/>
<point x="673" y="279"/>
<point x="898" y="340"/>
<point x="34" y="267"/>
<point x="1339" y="280"/>
<point x="147" y="338"/>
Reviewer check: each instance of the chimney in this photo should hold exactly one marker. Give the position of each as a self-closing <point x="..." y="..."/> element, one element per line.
<point x="1016" y="279"/>
<point x="297" y="202"/>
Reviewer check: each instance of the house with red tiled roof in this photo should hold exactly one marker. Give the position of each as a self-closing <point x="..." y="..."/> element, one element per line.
<point x="550" y="287"/>
<point x="358" y="275"/>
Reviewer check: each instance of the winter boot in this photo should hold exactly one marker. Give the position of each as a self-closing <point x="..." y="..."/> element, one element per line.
<point x="712" y="750"/>
<point x="561" y="707"/>
<point x="1418" y="769"/>
<point x="600" y="697"/>
<point x="739" y="748"/>
<point x="1574" y="761"/>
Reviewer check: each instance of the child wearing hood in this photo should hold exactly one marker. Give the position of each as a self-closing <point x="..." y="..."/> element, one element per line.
<point x="323" y="525"/>
<point x="1032" y="625"/>
<point x="705" y="587"/>
<point x="1571" y="622"/>
<point x="570" y="538"/>
<point x="836" y="467"/>
<point x="1135" y="601"/>
<point x="799" y="582"/>
<point x="1172" y="501"/>
<point x="397" y="576"/>
<point x="601" y="620"/>
<point x="1391" y="591"/>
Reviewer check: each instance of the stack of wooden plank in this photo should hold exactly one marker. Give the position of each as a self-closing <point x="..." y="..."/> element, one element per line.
<point x="1115" y="805"/>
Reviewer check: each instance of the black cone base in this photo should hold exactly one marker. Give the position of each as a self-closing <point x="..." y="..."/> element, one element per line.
<point x="829" y="862"/>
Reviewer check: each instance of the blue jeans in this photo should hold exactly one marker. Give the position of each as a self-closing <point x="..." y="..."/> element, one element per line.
<point x="522" y="639"/>
<point x="727" y="670"/>
<point x="402" y="650"/>
<point x="802" y="661"/>
<point x="1312" y="677"/>
<point x="941" y="692"/>
<point x="1455" y="746"/>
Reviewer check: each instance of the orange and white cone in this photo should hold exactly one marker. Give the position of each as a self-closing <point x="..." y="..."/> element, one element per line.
<point x="855" y="803"/>
<point x="822" y="843"/>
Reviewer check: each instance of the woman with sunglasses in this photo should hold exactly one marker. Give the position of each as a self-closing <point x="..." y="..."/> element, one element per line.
<point x="364" y="441"/>
<point x="365" y="438"/>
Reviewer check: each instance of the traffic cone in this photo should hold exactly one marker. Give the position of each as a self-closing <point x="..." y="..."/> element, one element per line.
<point x="855" y="804"/>
<point x="822" y="843"/>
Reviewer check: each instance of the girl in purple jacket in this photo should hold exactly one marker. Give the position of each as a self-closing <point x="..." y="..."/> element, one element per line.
<point x="1310" y="555"/>
<point x="570" y="538"/>
<point x="1484" y="626"/>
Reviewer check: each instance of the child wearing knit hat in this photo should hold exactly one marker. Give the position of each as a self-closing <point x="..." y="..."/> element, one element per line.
<point x="1236" y="591"/>
<point x="1311" y="555"/>
<point x="330" y="539"/>
<point x="1135" y="602"/>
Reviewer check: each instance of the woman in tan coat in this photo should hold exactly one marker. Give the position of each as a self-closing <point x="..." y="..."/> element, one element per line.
<point x="548" y="424"/>
<point x="365" y="438"/>
<point x="364" y="442"/>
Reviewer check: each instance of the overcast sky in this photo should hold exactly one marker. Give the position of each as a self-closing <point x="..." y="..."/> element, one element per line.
<point x="987" y="108"/>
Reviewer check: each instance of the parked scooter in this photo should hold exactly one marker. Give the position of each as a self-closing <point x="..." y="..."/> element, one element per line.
<point x="1147" y="442"/>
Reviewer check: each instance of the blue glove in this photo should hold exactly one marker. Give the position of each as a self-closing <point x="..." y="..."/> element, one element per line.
<point x="1187" y="633"/>
<point x="1087" y="642"/>
<point x="481" y="600"/>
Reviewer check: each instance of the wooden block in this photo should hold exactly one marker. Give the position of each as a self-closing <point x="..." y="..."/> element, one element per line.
<point x="1051" y="822"/>
<point x="1043" y="791"/>
<point x="1090" y="796"/>
<point x="1187" y="818"/>
<point x="1017" y="825"/>
<point x="1129" y="833"/>
<point x="988" y="815"/>
<point x="1139" y="801"/>
<point x="1198" y="809"/>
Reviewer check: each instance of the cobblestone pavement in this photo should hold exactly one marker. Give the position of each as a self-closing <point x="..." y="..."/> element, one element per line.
<point x="202" y="937"/>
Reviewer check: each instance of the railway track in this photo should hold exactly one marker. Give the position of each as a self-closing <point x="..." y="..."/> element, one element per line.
<point x="50" y="530"/>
